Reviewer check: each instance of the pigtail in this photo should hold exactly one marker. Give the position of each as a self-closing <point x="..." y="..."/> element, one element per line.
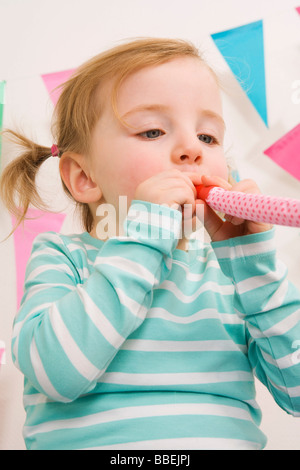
<point x="17" y="183"/>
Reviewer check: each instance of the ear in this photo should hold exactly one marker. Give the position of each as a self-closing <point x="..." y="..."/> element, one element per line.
<point x="75" y="174"/>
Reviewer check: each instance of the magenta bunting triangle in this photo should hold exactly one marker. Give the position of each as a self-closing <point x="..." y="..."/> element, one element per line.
<point x="2" y="353"/>
<point x="24" y="236"/>
<point x="285" y="152"/>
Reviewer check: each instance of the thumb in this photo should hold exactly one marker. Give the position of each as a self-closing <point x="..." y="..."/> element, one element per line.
<point x="211" y="221"/>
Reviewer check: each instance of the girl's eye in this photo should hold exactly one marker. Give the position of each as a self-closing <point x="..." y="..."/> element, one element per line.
<point x="152" y="134"/>
<point x="207" y="139"/>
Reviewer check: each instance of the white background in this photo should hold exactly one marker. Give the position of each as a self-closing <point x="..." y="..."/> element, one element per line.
<point x="43" y="36"/>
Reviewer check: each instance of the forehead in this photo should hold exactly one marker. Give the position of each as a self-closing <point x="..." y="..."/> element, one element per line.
<point x="178" y="64"/>
<point x="178" y="79"/>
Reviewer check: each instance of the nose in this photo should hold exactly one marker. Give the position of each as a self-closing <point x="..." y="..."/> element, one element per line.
<point x="188" y="157"/>
<point x="187" y="151"/>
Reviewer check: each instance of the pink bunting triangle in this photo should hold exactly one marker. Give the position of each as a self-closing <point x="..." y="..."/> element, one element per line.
<point x="53" y="80"/>
<point x="285" y="152"/>
<point x="2" y="353"/>
<point x="298" y="10"/>
<point x="24" y="236"/>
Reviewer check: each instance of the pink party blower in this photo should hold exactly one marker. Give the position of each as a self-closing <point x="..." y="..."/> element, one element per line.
<point x="256" y="207"/>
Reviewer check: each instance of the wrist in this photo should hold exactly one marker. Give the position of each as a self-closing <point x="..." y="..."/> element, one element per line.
<point x="156" y="225"/>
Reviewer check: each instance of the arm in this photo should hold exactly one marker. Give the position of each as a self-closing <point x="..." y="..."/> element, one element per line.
<point x="270" y="306"/>
<point x="67" y="333"/>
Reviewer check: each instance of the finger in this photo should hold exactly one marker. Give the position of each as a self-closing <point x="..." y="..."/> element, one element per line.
<point x="216" y="181"/>
<point x="246" y="186"/>
<point x="234" y="220"/>
<point x="211" y="221"/>
<point x="193" y="179"/>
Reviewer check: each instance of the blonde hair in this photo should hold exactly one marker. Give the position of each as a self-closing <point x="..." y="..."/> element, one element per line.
<point x="76" y="114"/>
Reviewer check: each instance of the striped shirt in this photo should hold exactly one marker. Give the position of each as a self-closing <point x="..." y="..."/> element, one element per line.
<point x="134" y="344"/>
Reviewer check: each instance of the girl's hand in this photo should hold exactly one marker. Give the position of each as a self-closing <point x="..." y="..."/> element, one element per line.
<point x="233" y="226"/>
<point x="173" y="188"/>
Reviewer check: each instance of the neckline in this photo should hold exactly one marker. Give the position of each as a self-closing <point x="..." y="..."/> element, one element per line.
<point x="91" y="240"/>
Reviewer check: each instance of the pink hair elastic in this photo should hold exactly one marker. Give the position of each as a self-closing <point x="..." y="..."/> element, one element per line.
<point x="256" y="207"/>
<point x="54" y="151"/>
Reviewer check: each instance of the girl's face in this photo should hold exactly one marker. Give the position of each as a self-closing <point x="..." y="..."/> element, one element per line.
<point x="173" y="119"/>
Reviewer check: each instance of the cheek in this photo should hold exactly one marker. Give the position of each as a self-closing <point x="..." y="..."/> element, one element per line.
<point x="138" y="170"/>
<point x="221" y="168"/>
<point x="224" y="172"/>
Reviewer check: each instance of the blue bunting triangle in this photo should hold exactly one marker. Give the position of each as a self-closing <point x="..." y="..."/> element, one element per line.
<point x="243" y="50"/>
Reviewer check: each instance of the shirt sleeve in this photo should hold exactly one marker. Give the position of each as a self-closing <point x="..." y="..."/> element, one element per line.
<point x="67" y="332"/>
<point x="270" y="306"/>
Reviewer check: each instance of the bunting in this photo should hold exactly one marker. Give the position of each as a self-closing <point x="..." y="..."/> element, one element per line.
<point x="285" y="152"/>
<point x="243" y="50"/>
<point x="2" y="353"/>
<point x="54" y="80"/>
<point x="39" y="222"/>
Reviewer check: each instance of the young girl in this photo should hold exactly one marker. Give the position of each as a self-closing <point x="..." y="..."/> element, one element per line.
<point x="140" y="341"/>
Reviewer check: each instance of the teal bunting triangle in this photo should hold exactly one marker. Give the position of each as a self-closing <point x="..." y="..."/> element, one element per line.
<point x="243" y="50"/>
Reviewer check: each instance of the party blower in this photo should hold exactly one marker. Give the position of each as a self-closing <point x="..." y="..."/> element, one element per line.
<point x="256" y="207"/>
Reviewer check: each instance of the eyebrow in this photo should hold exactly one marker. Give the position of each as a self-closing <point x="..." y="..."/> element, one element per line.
<point x="162" y="108"/>
<point x="211" y="114"/>
<point x="146" y="107"/>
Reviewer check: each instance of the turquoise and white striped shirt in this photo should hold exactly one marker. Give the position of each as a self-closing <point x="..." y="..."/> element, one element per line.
<point x="134" y="344"/>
